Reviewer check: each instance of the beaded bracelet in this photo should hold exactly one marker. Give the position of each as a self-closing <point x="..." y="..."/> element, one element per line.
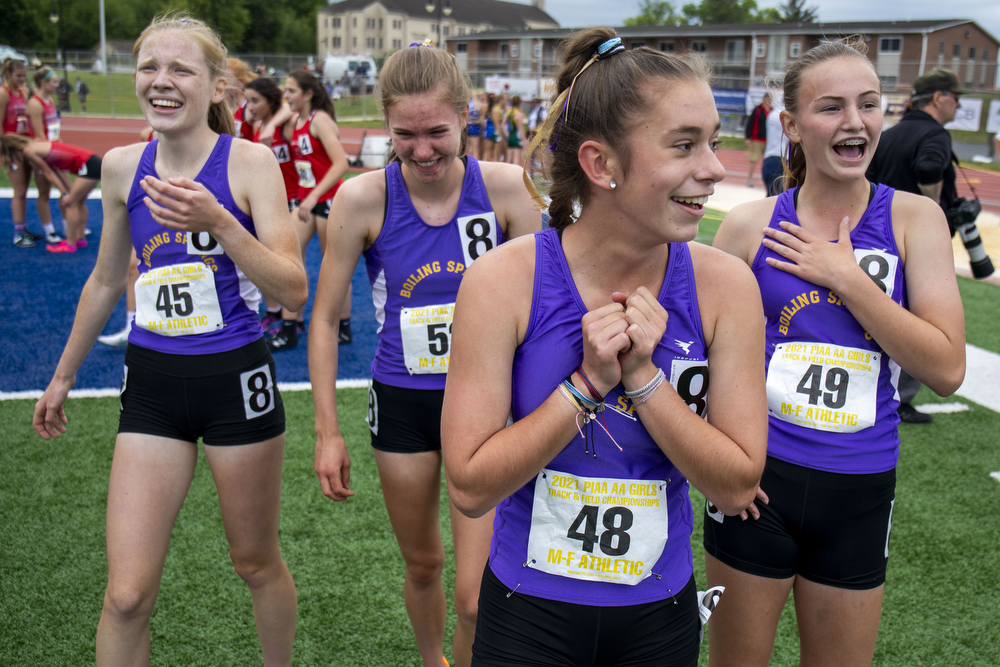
<point x="640" y="396"/>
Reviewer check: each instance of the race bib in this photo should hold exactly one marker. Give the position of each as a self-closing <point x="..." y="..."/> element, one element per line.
<point x="53" y="128"/>
<point x="595" y="529"/>
<point x="281" y="152"/>
<point x="689" y="378"/>
<point x="426" y="334"/>
<point x="477" y="234"/>
<point x="880" y="266"/>
<point x="306" y="177"/>
<point x="823" y="387"/>
<point x="305" y="144"/>
<point x="178" y="300"/>
<point x="22" y="124"/>
<point x="203" y="243"/>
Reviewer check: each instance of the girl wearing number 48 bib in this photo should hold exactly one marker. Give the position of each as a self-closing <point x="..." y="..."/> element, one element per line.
<point x="419" y="223"/>
<point x="857" y="281"/>
<point x="598" y="337"/>
<point x="206" y="216"/>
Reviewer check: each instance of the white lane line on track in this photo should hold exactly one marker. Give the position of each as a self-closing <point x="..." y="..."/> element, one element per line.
<point x="982" y="377"/>
<point x="8" y="193"/>
<point x="939" y="408"/>
<point x="358" y="383"/>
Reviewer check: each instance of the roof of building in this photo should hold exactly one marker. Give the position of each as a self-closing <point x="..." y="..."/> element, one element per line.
<point x="741" y="29"/>
<point x="500" y="14"/>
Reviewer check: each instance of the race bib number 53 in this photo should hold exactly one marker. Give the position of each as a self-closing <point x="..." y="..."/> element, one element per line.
<point x="178" y="300"/>
<point x="823" y="387"/>
<point x="597" y="529"/>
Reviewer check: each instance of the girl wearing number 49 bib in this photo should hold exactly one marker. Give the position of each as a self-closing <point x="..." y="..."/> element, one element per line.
<point x="419" y="223"/>
<point x="857" y="281"/>
<point x="207" y="219"/>
<point x="598" y="337"/>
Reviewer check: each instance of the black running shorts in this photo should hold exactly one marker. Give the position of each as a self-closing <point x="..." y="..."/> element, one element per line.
<point x="227" y="398"/>
<point x="829" y="528"/>
<point x="516" y="630"/>
<point x="404" y="421"/>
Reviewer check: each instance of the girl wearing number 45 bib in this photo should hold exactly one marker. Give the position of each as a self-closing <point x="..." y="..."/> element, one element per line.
<point x="207" y="219"/>
<point x="857" y="281"/>
<point x="439" y="213"/>
<point x="598" y="337"/>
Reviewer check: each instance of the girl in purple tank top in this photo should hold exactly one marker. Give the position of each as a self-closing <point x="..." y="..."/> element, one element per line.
<point x="208" y="221"/>
<point x="857" y="281"/>
<point x="419" y="223"/>
<point x="579" y="381"/>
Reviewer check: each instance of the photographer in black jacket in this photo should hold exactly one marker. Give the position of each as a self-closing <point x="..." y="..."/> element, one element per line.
<point x="915" y="156"/>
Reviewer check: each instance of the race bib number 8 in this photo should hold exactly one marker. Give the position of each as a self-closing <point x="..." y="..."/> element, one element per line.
<point x="596" y="529"/>
<point x="426" y="334"/>
<point x="305" y="171"/>
<point x="823" y="387"/>
<point x="478" y="234"/>
<point x="178" y="300"/>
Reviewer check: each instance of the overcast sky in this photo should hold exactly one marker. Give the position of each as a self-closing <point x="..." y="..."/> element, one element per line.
<point x="576" y="13"/>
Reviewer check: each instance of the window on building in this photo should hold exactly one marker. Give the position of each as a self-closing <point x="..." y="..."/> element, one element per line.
<point x="636" y="43"/>
<point x="699" y="45"/>
<point x="461" y="30"/>
<point x="795" y="49"/>
<point x="957" y="51"/>
<point x="379" y="43"/>
<point x="336" y="42"/>
<point x="447" y="31"/>
<point x="354" y="23"/>
<point x="370" y="23"/>
<point x="538" y="49"/>
<point x="380" y="24"/>
<point x="513" y="50"/>
<point x="985" y="51"/>
<point x="972" y="53"/>
<point x="890" y="45"/>
<point x="761" y="49"/>
<point x="503" y="52"/>
<point x="734" y="50"/>
<point x="889" y="81"/>
<point x="435" y="28"/>
<point x="461" y="47"/>
<point x="941" y="50"/>
<point x="370" y="42"/>
<point x="667" y="46"/>
<point x="397" y="43"/>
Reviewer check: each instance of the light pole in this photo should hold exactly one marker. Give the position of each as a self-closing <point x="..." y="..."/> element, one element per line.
<point x="442" y="6"/>
<point x="60" y="56"/>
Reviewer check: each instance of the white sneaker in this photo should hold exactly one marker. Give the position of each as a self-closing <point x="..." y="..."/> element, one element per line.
<point x="52" y="237"/>
<point x="116" y="339"/>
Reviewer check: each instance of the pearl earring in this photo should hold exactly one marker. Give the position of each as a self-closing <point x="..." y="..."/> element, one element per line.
<point x="613" y="185"/>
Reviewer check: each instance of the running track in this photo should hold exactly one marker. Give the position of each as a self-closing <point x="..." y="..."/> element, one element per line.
<point x="102" y="134"/>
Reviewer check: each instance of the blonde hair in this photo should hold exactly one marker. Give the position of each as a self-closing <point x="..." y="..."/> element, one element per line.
<point x="794" y="166"/>
<point x="421" y="69"/>
<point x="241" y="71"/>
<point x="12" y="147"/>
<point x="7" y="71"/>
<point x="40" y="75"/>
<point x="212" y="50"/>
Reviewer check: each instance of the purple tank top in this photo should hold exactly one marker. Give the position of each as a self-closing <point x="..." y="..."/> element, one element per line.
<point x="831" y="390"/>
<point x="190" y="297"/>
<point x="600" y="525"/>
<point x="414" y="270"/>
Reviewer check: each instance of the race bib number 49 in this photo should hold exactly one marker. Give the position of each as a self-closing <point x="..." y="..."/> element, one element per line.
<point x="823" y="387"/>
<point x="178" y="300"/>
<point x="597" y="529"/>
<point x="426" y="334"/>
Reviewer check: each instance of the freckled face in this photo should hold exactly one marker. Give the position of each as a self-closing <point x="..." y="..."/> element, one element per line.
<point x="426" y="134"/>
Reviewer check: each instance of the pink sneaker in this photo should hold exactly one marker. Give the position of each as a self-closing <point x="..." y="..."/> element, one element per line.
<point x="81" y="243"/>
<point x="62" y="246"/>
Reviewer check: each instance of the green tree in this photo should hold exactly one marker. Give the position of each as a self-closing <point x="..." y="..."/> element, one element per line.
<point x="795" y="11"/>
<point x="655" y="12"/>
<point x="728" y="11"/>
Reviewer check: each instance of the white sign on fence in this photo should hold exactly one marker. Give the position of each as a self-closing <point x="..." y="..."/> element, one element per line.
<point x="993" y="120"/>
<point x="526" y="88"/>
<point x="968" y="117"/>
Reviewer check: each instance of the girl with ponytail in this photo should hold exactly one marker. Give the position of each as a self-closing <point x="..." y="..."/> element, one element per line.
<point x="579" y="388"/>
<point x="206" y="216"/>
<point x="860" y="278"/>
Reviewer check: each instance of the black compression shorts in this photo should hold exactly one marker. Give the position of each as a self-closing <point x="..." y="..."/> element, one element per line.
<point x="405" y="421"/>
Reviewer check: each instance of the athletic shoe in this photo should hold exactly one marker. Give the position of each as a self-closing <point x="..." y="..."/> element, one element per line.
<point x="286" y="339"/>
<point x="910" y="415"/>
<point x="32" y="235"/>
<point x="62" y="246"/>
<point x="269" y="321"/>
<point x="23" y="241"/>
<point x="300" y="326"/>
<point x="344" y="334"/>
<point x="116" y="339"/>
<point x="52" y="237"/>
<point x="81" y="243"/>
<point x="88" y="231"/>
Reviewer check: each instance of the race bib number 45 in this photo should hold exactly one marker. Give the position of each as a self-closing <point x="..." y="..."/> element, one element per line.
<point x="597" y="529"/>
<point x="426" y="334"/>
<point x="178" y="300"/>
<point x="823" y="387"/>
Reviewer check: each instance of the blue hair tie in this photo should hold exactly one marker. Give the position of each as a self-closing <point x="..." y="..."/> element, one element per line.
<point x="610" y="48"/>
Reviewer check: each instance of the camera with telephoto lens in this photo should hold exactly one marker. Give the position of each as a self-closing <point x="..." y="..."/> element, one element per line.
<point x="962" y="219"/>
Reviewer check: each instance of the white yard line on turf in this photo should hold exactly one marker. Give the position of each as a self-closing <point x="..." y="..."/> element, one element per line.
<point x="8" y="193"/>
<point x="995" y="475"/>
<point x="358" y="383"/>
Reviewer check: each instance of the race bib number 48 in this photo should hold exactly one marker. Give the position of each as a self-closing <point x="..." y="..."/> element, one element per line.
<point x="596" y="529"/>
<point x="178" y="300"/>
<point x="823" y="387"/>
<point x="426" y="334"/>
